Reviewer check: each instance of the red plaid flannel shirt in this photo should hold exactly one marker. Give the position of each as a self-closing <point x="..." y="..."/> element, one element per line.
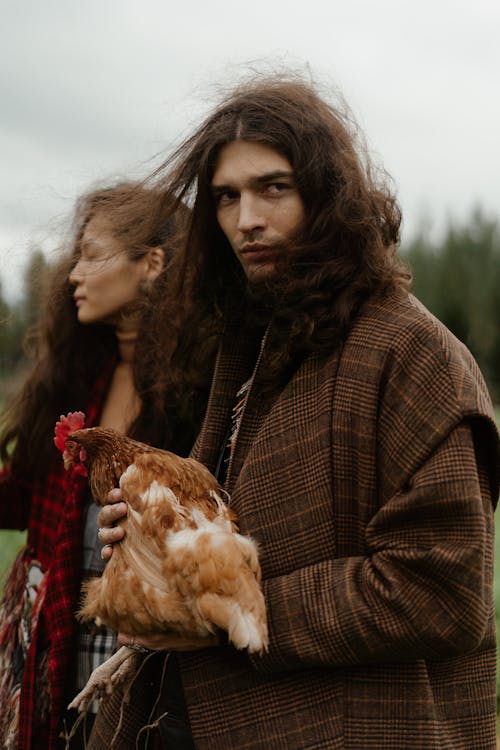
<point x="52" y="511"/>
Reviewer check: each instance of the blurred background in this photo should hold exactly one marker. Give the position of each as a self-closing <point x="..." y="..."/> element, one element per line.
<point x="106" y="88"/>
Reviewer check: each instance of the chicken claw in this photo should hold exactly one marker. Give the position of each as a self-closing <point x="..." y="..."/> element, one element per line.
<point x="105" y="677"/>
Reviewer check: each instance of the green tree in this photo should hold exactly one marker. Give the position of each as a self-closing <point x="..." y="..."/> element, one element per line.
<point x="16" y="318"/>
<point x="11" y="333"/>
<point x="34" y="279"/>
<point x="458" y="279"/>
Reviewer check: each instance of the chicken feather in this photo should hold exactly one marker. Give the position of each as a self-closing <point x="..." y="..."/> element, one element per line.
<point x="182" y="565"/>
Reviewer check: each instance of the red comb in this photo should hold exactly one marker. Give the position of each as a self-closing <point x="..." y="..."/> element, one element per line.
<point x="68" y="424"/>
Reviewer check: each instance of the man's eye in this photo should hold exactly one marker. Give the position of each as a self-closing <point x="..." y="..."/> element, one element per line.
<point x="275" y="188"/>
<point x="227" y="196"/>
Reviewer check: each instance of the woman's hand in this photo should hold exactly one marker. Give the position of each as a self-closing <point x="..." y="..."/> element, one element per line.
<point x="114" y="510"/>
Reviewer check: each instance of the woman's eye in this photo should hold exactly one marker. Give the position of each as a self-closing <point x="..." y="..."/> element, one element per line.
<point x="88" y="256"/>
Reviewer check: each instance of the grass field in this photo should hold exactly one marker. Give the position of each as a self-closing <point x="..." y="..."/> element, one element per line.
<point x="10" y="543"/>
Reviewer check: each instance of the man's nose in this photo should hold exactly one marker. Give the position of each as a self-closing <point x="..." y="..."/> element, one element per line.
<point x="250" y="215"/>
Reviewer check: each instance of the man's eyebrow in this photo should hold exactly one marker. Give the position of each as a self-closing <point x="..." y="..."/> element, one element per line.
<point x="216" y="189"/>
<point x="278" y="174"/>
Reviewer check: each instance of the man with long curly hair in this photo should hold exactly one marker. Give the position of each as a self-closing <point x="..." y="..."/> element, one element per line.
<point x="354" y="435"/>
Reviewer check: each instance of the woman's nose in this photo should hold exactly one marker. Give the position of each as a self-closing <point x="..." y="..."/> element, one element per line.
<point x="75" y="275"/>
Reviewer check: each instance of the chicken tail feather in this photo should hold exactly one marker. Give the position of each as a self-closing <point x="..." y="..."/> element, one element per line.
<point x="244" y="628"/>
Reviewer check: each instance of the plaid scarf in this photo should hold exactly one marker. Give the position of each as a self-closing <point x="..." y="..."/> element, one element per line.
<point x="52" y="509"/>
<point x="22" y="601"/>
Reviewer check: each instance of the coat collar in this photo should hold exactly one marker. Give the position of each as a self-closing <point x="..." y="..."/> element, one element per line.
<point x="236" y="361"/>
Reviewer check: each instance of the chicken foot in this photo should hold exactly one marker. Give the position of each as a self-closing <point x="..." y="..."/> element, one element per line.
<point x="103" y="679"/>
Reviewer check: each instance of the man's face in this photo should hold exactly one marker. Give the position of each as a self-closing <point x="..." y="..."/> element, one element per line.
<point x="258" y="205"/>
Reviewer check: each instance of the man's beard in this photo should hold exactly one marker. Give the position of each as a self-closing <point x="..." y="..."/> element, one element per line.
<point x="257" y="297"/>
<point x="261" y="299"/>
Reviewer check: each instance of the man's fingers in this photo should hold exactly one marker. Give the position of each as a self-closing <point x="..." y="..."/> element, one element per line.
<point x="109" y="535"/>
<point x="168" y="641"/>
<point x="106" y="552"/>
<point x="111" y="513"/>
<point x="113" y="496"/>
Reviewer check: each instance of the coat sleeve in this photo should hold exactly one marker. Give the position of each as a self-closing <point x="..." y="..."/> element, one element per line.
<point x="416" y="467"/>
<point x="422" y="590"/>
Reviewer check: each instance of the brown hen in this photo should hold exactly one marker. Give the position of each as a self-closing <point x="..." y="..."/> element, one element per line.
<point x="182" y="565"/>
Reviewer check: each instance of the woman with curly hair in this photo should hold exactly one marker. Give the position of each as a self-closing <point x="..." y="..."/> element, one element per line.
<point x="93" y="349"/>
<point x="355" y="437"/>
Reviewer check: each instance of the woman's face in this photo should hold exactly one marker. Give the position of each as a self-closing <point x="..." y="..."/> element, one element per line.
<point x="106" y="281"/>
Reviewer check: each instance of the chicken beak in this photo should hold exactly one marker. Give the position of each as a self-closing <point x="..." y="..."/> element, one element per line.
<point x="67" y="460"/>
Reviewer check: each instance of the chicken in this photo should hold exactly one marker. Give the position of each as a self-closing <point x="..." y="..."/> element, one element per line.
<point x="182" y="565"/>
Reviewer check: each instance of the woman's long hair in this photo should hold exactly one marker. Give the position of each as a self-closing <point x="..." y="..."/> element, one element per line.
<point x="68" y="358"/>
<point x="345" y="250"/>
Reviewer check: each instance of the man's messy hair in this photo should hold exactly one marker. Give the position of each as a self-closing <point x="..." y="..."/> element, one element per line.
<point x="346" y="248"/>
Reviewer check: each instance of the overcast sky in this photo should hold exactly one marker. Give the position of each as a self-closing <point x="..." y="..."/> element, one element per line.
<point x="95" y="88"/>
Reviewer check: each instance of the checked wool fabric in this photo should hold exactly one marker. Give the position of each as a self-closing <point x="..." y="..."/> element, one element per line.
<point x="369" y="485"/>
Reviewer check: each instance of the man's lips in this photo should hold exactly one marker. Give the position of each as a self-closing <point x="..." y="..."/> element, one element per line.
<point x="257" y="251"/>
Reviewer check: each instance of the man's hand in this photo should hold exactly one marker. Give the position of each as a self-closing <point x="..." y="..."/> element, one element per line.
<point x="113" y="511"/>
<point x="168" y="641"/>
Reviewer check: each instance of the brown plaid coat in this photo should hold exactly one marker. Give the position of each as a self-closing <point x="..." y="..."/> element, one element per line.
<point x="369" y="485"/>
